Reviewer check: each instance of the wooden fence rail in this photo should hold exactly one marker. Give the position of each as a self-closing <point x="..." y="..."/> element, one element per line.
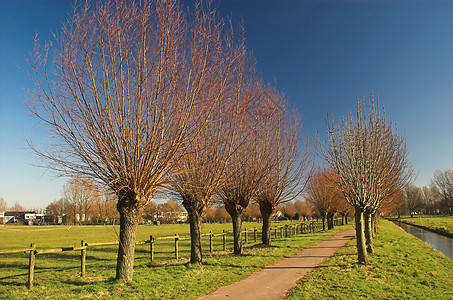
<point x="289" y="229"/>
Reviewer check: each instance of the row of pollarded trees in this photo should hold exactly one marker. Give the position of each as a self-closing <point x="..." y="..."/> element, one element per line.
<point x="144" y="97"/>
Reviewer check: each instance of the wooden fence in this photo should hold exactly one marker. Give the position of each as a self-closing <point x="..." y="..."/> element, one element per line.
<point x="247" y="235"/>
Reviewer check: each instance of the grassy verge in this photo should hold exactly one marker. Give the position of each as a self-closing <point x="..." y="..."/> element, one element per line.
<point x="443" y="224"/>
<point x="57" y="275"/>
<point x="403" y="267"/>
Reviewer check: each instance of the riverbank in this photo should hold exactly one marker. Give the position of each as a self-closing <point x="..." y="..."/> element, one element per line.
<point x="439" y="225"/>
<point x="403" y="267"/>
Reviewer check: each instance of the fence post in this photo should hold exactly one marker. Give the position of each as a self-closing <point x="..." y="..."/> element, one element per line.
<point x="275" y="231"/>
<point x="254" y="234"/>
<point x="286" y="230"/>
<point x="301" y="228"/>
<point x="224" y="240"/>
<point x="210" y="241"/>
<point x="151" y="248"/>
<point x="31" y="266"/>
<point x="83" y="254"/>
<point x="176" y="246"/>
<point x="245" y="235"/>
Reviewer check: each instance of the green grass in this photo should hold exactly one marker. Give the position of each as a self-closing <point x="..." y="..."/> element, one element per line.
<point x="403" y="267"/>
<point x="433" y="222"/>
<point x="57" y="274"/>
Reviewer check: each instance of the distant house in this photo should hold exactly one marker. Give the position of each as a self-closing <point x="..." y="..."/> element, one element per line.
<point x="171" y="216"/>
<point x="26" y="217"/>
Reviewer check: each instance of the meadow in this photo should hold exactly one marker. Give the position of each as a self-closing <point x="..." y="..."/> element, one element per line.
<point x="403" y="267"/>
<point x="442" y="223"/>
<point x="57" y="274"/>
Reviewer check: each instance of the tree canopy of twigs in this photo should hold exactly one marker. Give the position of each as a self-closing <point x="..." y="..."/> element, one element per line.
<point x="288" y="167"/>
<point x="370" y="159"/>
<point x="324" y="195"/>
<point x="247" y="164"/>
<point x="116" y="93"/>
<point x="442" y="183"/>
<point x="201" y="169"/>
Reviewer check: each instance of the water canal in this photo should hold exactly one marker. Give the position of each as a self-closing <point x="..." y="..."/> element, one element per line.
<point x="440" y="243"/>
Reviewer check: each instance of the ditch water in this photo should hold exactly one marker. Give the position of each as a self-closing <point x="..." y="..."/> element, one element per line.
<point x="441" y="243"/>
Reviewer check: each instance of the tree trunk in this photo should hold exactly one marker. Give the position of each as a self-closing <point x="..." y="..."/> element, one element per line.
<point x="368" y="232"/>
<point x="360" y="237"/>
<point x="130" y="212"/>
<point x="236" y="213"/>
<point x="195" y="218"/>
<point x="266" y="212"/>
<point x="323" y="217"/>
<point x="374" y="222"/>
<point x="330" y="220"/>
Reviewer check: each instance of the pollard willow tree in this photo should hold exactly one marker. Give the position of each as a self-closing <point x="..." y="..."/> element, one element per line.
<point x="370" y="159"/>
<point x="201" y="169"/>
<point x="247" y="164"/>
<point x="288" y="167"/>
<point x="119" y="97"/>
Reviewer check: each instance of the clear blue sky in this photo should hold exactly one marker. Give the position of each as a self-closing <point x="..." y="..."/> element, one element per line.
<point x="323" y="54"/>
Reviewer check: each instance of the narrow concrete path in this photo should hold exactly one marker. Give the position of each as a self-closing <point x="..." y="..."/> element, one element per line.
<point x="275" y="280"/>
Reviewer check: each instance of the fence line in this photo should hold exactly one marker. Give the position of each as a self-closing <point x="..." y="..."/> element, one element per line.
<point x="288" y="229"/>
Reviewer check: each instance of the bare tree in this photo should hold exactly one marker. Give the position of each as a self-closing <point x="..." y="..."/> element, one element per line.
<point x="80" y="194"/>
<point x="3" y="205"/>
<point x="442" y="183"/>
<point x="247" y="164"/>
<point x="370" y="159"/>
<point x="288" y="166"/>
<point x="201" y="170"/>
<point x="119" y="97"/>
<point x="303" y="209"/>
<point x="55" y="210"/>
<point x="16" y="207"/>
<point x="323" y="194"/>
<point x="413" y="198"/>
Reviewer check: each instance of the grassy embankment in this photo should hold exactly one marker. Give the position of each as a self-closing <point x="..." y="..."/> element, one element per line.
<point x="57" y="274"/>
<point x="439" y="224"/>
<point x="403" y="267"/>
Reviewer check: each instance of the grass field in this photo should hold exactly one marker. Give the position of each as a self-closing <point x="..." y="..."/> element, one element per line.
<point x="433" y="222"/>
<point x="57" y="274"/>
<point x="403" y="267"/>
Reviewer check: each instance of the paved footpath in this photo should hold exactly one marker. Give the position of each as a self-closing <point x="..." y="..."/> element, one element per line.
<point x="275" y="280"/>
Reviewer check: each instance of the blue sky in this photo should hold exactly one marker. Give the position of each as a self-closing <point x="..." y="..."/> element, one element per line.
<point x="322" y="54"/>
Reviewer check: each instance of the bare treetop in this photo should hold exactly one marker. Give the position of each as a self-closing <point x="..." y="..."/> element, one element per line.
<point x="125" y="80"/>
<point x="368" y="154"/>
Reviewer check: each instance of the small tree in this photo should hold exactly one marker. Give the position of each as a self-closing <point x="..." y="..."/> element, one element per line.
<point x="16" y="207"/>
<point x="54" y="210"/>
<point x="413" y="198"/>
<point x="324" y="194"/>
<point x="3" y="205"/>
<point x="80" y="194"/>
<point x="442" y="183"/>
